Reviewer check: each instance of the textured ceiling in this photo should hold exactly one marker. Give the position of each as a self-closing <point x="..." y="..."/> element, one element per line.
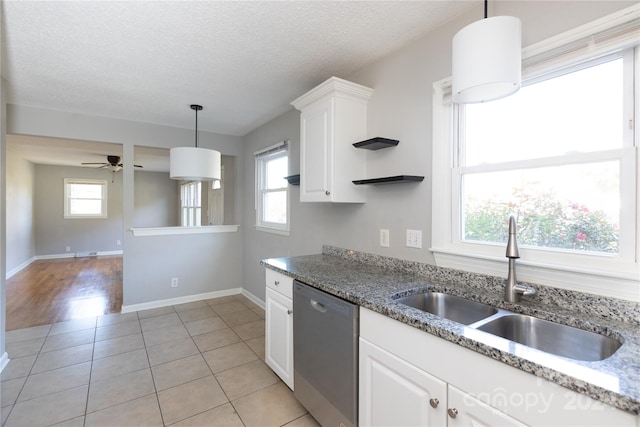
<point x="243" y="61"/>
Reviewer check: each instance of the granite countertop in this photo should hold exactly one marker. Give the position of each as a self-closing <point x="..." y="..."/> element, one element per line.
<point x="373" y="283"/>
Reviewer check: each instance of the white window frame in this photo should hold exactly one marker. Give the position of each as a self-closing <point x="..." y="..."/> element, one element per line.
<point x="67" y="198"/>
<point x="262" y="157"/>
<point x="190" y="214"/>
<point x="609" y="275"/>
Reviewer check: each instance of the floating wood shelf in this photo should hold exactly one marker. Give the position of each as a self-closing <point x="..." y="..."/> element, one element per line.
<point x="376" y="143"/>
<point x="398" y="179"/>
<point x="293" y="179"/>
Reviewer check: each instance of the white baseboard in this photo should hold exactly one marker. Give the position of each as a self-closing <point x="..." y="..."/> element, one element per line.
<point x="180" y="300"/>
<point x="4" y="361"/>
<point x="30" y="261"/>
<point x="19" y="268"/>
<point x="253" y="298"/>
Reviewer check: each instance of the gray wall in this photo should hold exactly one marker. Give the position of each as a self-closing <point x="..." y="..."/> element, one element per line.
<point x="156" y="200"/>
<point x="20" y="176"/>
<point x="207" y="263"/>
<point x="53" y="233"/>
<point x="307" y="220"/>
<point x="400" y="108"/>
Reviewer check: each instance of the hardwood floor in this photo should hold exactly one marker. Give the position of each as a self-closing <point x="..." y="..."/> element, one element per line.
<point x="55" y="290"/>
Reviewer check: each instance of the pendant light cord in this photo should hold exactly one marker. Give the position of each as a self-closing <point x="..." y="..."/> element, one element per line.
<point x="486" y="3"/>
<point x="196" y="108"/>
<point x="196" y="128"/>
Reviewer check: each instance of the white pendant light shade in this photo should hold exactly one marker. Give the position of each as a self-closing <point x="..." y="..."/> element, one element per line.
<point x="487" y="59"/>
<point x="194" y="164"/>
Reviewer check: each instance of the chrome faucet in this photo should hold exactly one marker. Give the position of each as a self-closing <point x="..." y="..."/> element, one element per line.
<point x="513" y="292"/>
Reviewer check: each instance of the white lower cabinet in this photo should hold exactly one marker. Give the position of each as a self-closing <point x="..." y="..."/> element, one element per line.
<point x="394" y="392"/>
<point x="279" y="328"/>
<point x="466" y="411"/>
<point x="412" y="378"/>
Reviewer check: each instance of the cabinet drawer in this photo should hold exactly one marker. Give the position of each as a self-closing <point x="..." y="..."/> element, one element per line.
<point x="280" y="283"/>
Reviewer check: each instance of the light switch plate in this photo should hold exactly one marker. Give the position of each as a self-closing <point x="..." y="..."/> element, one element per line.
<point x="384" y="238"/>
<point x="414" y="239"/>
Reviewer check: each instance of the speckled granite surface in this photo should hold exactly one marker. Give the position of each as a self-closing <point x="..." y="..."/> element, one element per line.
<point x="373" y="282"/>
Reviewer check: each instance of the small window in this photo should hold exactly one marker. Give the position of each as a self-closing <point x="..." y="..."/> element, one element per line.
<point x="85" y="198"/>
<point x="272" y="192"/>
<point x="191" y="204"/>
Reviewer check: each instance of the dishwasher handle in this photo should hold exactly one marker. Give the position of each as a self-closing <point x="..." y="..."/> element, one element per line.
<point x="318" y="306"/>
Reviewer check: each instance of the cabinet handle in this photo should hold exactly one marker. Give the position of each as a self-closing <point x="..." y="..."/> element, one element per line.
<point x="327" y="192"/>
<point x="453" y="412"/>
<point x="275" y="282"/>
<point x="434" y="402"/>
<point x="289" y="311"/>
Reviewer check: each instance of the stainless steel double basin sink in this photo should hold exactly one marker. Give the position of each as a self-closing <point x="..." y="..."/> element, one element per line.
<point x="550" y="337"/>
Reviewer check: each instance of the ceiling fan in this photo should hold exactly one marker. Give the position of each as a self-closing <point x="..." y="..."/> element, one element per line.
<point x="113" y="163"/>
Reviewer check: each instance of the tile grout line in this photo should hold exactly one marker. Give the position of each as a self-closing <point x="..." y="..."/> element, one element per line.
<point x="200" y="352"/>
<point x="153" y="379"/>
<point x="86" y="402"/>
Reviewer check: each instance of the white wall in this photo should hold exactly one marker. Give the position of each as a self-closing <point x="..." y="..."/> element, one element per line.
<point x="400" y="108"/>
<point x="20" y="176"/>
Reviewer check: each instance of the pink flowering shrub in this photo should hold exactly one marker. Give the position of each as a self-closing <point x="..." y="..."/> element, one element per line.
<point x="544" y="221"/>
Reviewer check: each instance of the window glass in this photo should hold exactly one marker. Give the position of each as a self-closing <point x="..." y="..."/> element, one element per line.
<point x="272" y="191"/>
<point x="275" y="207"/>
<point x="576" y="112"/>
<point x="574" y="207"/>
<point x="525" y="155"/>
<point x="85" y="198"/>
<point x="191" y="206"/>
<point x="276" y="171"/>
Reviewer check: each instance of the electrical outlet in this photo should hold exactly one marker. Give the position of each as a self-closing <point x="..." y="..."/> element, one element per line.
<point x="174" y="282"/>
<point x="414" y="239"/>
<point x="118" y="242"/>
<point x="384" y="238"/>
<point x="68" y="248"/>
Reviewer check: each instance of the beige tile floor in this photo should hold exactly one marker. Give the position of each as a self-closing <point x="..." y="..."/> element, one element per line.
<point x="195" y="364"/>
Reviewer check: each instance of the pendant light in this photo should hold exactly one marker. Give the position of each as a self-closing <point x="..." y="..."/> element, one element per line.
<point x="487" y="57"/>
<point x="194" y="163"/>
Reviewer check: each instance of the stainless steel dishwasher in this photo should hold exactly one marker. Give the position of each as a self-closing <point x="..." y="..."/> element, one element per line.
<point x="325" y="355"/>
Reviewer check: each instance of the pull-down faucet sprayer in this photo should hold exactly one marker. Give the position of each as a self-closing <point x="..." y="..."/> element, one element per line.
<point x="513" y="292"/>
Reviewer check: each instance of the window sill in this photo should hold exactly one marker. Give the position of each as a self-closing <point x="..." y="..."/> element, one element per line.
<point x="605" y="283"/>
<point x="277" y="231"/>
<point x="165" y="231"/>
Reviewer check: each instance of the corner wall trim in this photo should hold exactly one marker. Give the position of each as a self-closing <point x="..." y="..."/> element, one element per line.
<point x="4" y="361"/>
<point x="253" y="298"/>
<point x="180" y="300"/>
<point x="19" y="268"/>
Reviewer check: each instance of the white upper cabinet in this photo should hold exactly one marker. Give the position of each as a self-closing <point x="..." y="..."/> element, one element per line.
<point x="333" y="117"/>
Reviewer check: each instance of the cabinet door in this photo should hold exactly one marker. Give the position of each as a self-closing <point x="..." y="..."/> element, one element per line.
<point x="316" y="125"/>
<point x="396" y="393"/>
<point x="279" y="335"/>
<point x="466" y="411"/>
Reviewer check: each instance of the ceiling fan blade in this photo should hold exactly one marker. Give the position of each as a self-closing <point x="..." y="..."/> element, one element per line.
<point x="101" y="163"/>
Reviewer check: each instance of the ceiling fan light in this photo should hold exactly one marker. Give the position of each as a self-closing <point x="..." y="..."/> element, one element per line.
<point x="487" y="56"/>
<point x="194" y="164"/>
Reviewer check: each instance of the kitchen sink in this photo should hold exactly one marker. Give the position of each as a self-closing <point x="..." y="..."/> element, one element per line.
<point x="553" y="338"/>
<point x="448" y="306"/>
